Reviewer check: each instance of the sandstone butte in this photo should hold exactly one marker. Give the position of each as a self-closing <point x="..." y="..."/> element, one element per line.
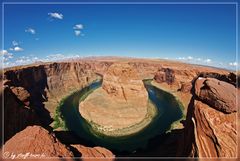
<point x="120" y="103"/>
<point x="31" y="94"/>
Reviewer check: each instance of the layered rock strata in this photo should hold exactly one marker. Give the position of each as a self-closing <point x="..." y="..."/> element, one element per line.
<point x="122" y="102"/>
<point x="32" y="93"/>
<point x="121" y="81"/>
<point x="210" y="129"/>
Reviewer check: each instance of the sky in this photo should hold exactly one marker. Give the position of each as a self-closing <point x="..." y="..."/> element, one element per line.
<point x="202" y="34"/>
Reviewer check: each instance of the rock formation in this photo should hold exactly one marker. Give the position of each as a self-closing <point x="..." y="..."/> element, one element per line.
<point x="32" y="93"/>
<point x="210" y="129"/>
<point x="218" y="94"/>
<point x="122" y="81"/>
<point x="165" y="75"/>
<point x="39" y="89"/>
<point x="122" y="102"/>
<point x="37" y="143"/>
<point x="17" y="112"/>
<point x="89" y="153"/>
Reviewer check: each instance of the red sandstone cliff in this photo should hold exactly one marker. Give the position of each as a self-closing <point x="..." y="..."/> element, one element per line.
<point x="210" y="128"/>
<point x="32" y="93"/>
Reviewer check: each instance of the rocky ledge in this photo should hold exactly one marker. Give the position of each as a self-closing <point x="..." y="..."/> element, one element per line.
<point x="121" y="102"/>
<point x="35" y="142"/>
<point x="211" y="124"/>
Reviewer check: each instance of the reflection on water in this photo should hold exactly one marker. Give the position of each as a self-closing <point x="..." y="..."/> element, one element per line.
<point x="168" y="111"/>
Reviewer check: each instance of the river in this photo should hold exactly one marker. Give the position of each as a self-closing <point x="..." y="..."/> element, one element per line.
<point x="168" y="108"/>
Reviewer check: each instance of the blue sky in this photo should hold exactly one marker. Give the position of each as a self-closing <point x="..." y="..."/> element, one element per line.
<point x="202" y="34"/>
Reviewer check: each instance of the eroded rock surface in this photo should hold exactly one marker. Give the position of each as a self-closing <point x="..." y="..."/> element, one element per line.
<point x="37" y="141"/>
<point x="218" y="94"/>
<point x="17" y="113"/>
<point x="89" y="153"/>
<point x="122" y="81"/>
<point x="210" y="128"/>
<point x="32" y="93"/>
<point x="122" y="102"/>
<point x="165" y="75"/>
<point x="216" y="133"/>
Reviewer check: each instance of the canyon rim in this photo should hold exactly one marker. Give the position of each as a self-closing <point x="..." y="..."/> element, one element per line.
<point x="119" y="80"/>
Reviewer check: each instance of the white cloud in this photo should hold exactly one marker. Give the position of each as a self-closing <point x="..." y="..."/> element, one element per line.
<point x="56" y="15"/>
<point x="6" y="55"/>
<point x="233" y="64"/>
<point x="208" y="60"/>
<point x="189" y="57"/>
<point x="192" y="60"/>
<point x="181" y="58"/>
<point x="78" y="27"/>
<point x="3" y="52"/>
<point x="55" y="56"/>
<point x="31" y="31"/>
<point x="198" y="59"/>
<point x="17" y="48"/>
<point x="59" y="57"/>
<point x="77" y="32"/>
<point x="24" y="60"/>
<point x="14" y="43"/>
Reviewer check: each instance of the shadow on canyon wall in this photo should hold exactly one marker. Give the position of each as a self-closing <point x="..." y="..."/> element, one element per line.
<point x="34" y="81"/>
<point x="164" y="145"/>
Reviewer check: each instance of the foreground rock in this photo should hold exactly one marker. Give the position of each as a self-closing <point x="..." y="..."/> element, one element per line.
<point x="17" y="112"/>
<point x="210" y="129"/>
<point x="216" y="93"/>
<point x="98" y="153"/>
<point x="35" y="142"/>
<point x="216" y="133"/>
<point x="122" y="102"/>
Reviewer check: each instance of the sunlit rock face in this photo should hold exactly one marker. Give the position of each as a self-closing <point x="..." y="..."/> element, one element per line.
<point x="36" y="140"/>
<point x="122" y="81"/>
<point x="121" y="102"/>
<point x="211" y="129"/>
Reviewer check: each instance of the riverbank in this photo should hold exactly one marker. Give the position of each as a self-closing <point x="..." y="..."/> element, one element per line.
<point x="168" y="111"/>
<point x="182" y="98"/>
<point x="59" y="123"/>
<point x="115" y="117"/>
<point x="129" y="130"/>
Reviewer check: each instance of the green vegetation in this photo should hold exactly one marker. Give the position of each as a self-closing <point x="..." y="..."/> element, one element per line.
<point x="58" y="118"/>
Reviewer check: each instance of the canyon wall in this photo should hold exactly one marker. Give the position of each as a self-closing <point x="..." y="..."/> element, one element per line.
<point x="31" y="94"/>
<point x="211" y="109"/>
<point x="210" y="128"/>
